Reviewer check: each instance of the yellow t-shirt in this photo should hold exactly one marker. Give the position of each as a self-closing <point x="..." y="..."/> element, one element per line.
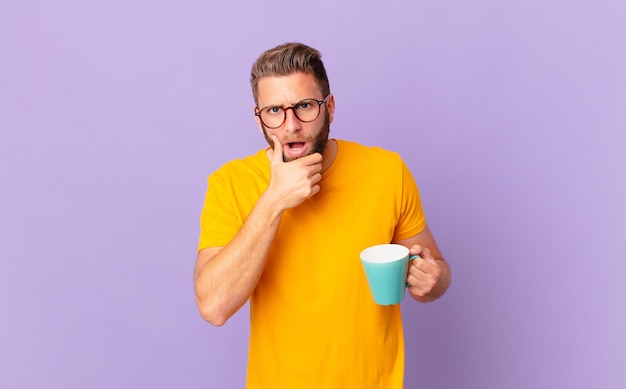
<point x="313" y="321"/>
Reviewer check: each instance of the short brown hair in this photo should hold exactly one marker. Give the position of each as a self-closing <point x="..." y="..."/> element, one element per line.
<point x="287" y="59"/>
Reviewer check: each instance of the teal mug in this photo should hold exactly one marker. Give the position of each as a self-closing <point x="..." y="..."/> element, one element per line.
<point x="386" y="267"/>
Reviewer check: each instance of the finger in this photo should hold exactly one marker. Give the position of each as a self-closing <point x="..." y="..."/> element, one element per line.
<point x="315" y="178"/>
<point x="414" y="282"/>
<point x="417" y="286"/>
<point x="315" y="171"/>
<point x="425" y="268"/>
<point x="422" y="252"/>
<point x="415" y="249"/>
<point x="421" y="278"/>
<point x="314" y="190"/>
<point x="424" y="263"/>
<point x="418" y="290"/>
<point x="311" y="159"/>
<point x="277" y="156"/>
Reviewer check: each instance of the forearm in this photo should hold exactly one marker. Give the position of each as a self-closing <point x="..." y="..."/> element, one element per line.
<point x="225" y="278"/>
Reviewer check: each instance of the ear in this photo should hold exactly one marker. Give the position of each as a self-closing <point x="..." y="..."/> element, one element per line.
<point x="330" y="106"/>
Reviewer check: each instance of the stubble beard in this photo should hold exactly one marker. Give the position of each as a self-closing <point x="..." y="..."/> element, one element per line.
<point x="319" y="141"/>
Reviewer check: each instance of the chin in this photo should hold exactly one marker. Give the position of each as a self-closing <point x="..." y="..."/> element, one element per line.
<point x="289" y="158"/>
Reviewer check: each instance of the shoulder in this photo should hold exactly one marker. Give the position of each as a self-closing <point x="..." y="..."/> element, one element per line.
<point x="251" y="162"/>
<point x="255" y="165"/>
<point x="364" y="154"/>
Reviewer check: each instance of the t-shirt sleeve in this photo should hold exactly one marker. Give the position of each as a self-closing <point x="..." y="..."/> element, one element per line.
<point x="219" y="219"/>
<point x="412" y="219"/>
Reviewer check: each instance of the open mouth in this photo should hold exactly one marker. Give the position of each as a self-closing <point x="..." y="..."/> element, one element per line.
<point x="295" y="149"/>
<point x="295" y="145"/>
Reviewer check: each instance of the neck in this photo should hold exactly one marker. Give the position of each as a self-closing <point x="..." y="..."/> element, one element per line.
<point x="330" y="152"/>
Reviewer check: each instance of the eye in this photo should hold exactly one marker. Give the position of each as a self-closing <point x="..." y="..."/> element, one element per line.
<point x="273" y="110"/>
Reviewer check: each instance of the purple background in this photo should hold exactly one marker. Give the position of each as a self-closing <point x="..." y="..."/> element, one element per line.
<point x="511" y="115"/>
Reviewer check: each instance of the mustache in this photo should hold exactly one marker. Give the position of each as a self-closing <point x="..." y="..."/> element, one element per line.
<point x="304" y="137"/>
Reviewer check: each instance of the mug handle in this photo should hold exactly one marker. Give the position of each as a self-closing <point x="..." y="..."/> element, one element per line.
<point x="412" y="257"/>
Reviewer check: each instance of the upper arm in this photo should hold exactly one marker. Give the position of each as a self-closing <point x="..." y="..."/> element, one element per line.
<point x="409" y="211"/>
<point x="425" y="239"/>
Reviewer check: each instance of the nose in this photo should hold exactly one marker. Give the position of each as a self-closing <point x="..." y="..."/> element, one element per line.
<point x="292" y="123"/>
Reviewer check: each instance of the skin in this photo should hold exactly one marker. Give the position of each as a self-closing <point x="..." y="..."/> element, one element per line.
<point x="317" y="143"/>
<point x="429" y="275"/>
<point x="225" y="277"/>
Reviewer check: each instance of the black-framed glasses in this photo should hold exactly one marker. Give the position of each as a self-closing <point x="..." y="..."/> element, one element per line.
<point x="306" y="111"/>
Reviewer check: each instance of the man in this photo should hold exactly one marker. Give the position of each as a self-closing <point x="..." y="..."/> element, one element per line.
<point x="284" y="228"/>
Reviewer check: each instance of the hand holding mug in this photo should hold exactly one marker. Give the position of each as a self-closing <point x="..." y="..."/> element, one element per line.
<point x="424" y="272"/>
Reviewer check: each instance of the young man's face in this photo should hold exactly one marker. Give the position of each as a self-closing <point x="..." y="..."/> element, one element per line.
<point x="298" y="138"/>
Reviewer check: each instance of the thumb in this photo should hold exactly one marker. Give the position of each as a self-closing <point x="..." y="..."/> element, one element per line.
<point x="277" y="156"/>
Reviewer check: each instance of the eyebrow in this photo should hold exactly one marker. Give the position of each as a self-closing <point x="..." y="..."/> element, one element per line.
<point x="288" y="106"/>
